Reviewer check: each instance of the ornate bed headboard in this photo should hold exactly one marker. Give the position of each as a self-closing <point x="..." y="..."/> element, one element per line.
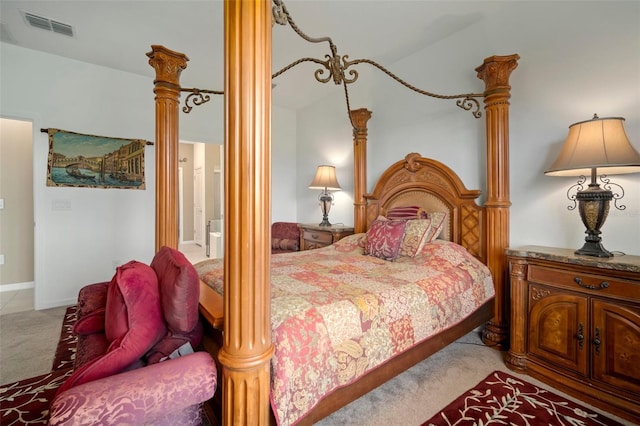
<point x="419" y="181"/>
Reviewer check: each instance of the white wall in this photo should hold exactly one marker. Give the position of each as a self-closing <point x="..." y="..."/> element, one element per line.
<point x="103" y="227"/>
<point x="577" y="59"/>
<point x="284" y="174"/>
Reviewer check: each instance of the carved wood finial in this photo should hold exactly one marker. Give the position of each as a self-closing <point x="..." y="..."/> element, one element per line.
<point x="411" y="162"/>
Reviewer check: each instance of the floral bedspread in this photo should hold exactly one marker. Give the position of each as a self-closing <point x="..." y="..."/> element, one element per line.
<point x="336" y="313"/>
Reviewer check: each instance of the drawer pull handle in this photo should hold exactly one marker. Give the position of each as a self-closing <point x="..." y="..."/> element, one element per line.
<point x="580" y="335"/>
<point x="314" y="236"/>
<point x="597" y="341"/>
<point x="602" y="285"/>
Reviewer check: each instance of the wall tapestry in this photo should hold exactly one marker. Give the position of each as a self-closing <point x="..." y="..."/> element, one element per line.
<point x="94" y="161"/>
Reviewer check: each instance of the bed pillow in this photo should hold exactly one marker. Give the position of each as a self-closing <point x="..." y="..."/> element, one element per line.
<point x="384" y="238"/>
<point x="438" y="220"/>
<point x="417" y="233"/>
<point x="404" y="212"/>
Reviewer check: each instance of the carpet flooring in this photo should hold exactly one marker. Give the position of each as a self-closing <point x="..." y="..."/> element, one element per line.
<point x="28" y="342"/>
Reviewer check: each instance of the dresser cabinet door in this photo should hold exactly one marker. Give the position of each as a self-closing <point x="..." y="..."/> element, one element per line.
<point x="558" y="328"/>
<point x="616" y="345"/>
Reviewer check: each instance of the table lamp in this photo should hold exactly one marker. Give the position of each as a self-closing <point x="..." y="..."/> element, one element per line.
<point x="599" y="144"/>
<point x="325" y="179"/>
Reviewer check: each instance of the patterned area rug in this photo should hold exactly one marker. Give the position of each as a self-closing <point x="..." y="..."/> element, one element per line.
<point x="503" y="399"/>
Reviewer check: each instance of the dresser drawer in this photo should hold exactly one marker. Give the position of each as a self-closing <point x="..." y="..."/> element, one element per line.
<point x="578" y="280"/>
<point x="318" y="237"/>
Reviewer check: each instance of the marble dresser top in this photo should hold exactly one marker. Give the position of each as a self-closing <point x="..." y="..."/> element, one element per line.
<point x="626" y="262"/>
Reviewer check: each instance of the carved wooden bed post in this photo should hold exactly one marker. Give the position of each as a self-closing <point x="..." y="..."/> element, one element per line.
<point x="247" y="348"/>
<point x="360" y="117"/>
<point x="168" y="65"/>
<point x="495" y="72"/>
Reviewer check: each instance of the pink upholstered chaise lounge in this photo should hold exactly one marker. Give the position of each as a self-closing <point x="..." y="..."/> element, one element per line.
<point x="113" y="363"/>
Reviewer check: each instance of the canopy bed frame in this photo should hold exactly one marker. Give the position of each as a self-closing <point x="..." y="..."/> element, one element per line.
<point x="244" y="314"/>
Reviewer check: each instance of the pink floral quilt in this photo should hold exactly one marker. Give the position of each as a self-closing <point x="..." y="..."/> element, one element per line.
<point x="337" y="313"/>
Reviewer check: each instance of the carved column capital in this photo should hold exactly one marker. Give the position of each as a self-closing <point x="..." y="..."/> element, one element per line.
<point x="360" y="117"/>
<point x="167" y="63"/>
<point x="495" y="72"/>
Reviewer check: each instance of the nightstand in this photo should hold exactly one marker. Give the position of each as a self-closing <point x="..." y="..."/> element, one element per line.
<point x="316" y="236"/>
<point x="575" y="324"/>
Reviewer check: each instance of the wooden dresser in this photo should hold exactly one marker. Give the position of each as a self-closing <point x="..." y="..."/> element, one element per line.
<point x="575" y="324"/>
<point x="316" y="236"/>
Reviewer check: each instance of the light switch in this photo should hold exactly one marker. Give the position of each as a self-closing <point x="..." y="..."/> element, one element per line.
<point x="1" y="203"/>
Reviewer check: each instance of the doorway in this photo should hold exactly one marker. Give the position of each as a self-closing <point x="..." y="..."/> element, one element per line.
<point x="16" y="216"/>
<point x="200" y="196"/>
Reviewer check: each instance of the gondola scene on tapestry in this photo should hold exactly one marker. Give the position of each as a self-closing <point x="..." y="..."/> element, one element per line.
<point x="81" y="160"/>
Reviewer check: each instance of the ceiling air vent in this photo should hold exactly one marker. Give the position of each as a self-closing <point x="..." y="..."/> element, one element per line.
<point x="48" y="24"/>
<point x="5" y="34"/>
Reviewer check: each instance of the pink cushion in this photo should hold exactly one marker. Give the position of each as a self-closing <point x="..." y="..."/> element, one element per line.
<point x="179" y="289"/>
<point x="133" y="323"/>
<point x="384" y="238"/>
<point x="90" y="323"/>
<point x="406" y="212"/>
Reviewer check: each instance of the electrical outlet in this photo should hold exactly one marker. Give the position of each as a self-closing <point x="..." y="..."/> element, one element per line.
<point x="1" y="259"/>
<point x="1" y="203"/>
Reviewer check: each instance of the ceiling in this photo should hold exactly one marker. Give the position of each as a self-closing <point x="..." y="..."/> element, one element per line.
<point x="117" y="34"/>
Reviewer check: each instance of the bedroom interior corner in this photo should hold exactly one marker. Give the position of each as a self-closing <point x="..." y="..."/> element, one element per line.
<point x="28" y="340"/>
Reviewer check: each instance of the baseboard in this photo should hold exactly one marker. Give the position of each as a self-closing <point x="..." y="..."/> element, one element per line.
<point x="55" y="304"/>
<point x="17" y="286"/>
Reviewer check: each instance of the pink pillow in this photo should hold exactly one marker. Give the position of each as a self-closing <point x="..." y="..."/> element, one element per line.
<point x="133" y="324"/>
<point x="90" y="323"/>
<point x="417" y="233"/>
<point x="405" y="212"/>
<point x="179" y="289"/>
<point x="384" y="238"/>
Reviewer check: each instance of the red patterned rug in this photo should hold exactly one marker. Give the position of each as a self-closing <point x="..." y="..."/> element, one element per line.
<point x="503" y="399"/>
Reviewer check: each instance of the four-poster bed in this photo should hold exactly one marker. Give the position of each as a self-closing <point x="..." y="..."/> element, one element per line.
<point x="243" y="315"/>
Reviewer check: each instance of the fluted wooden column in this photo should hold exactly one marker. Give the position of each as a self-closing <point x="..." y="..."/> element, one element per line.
<point x="168" y="65"/>
<point x="360" y="117"/>
<point x="247" y="347"/>
<point x="495" y="72"/>
<point x="516" y="358"/>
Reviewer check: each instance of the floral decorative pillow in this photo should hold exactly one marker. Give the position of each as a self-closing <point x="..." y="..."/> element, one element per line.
<point x="417" y="233"/>
<point x="437" y="223"/>
<point x="384" y="238"/>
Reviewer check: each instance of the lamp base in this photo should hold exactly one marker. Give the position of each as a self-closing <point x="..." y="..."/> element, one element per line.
<point x="325" y="222"/>
<point x="593" y="249"/>
<point x="325" y="198"/>
<point x="593" y="205"/>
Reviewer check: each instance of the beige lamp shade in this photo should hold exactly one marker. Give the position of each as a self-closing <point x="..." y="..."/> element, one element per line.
<point x="325" y="178"/>
<point x="599" y="143"/>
